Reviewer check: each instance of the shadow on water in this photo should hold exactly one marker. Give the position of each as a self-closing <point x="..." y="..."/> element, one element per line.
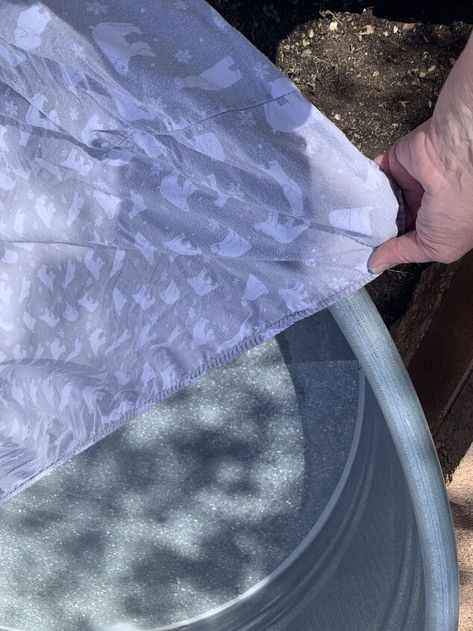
<point x="193" y="502"/>
<point x="191" y="493"/>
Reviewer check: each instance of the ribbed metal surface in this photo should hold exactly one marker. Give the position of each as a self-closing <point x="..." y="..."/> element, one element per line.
<point x="403" y="415"/>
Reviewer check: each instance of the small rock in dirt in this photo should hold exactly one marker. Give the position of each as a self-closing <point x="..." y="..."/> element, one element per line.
<point x="376" y="73"/>
<point x="395" y="29"/>
<point x="311" y="33"/>
<point x="337" y="117"/>
<point x="367" y="30"/>
<point x="408" y="26"/>
<point x="333" y="26"/>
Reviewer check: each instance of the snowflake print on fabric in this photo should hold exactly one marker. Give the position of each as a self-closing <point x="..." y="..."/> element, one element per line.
<point x="235" y="190"/>
<point x="97" y="8"/>
<point x="168" y="202"/>
<point x="214" y="224"/>
<point x="261" y="70"/>
<point x="10" y="108"/>
<point x="247" y="117"/>
<point x="183" y="55"/>
<point x="78" y="50"/>
<point x="156" y="169"/>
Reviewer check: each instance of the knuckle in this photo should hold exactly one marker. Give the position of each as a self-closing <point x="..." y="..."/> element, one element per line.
<point x="440" y="253"/>
<point x="447" y="257"/>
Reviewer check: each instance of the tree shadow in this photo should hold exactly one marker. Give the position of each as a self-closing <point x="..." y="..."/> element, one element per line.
<point x="175" y="513"/>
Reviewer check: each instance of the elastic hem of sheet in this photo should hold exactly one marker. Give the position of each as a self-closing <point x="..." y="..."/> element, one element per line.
<point x="222" y="358"/>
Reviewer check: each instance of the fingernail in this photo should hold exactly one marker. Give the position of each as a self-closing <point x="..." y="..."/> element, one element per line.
<point x="373" y="270"/>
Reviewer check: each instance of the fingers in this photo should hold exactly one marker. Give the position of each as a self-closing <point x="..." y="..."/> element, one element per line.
<point x="412" y="190"/>
<point x="383" y="162"/>
<point x="404" y="249"/>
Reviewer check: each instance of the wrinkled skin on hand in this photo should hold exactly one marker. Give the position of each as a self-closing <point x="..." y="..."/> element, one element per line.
<point x="433" y="166"/>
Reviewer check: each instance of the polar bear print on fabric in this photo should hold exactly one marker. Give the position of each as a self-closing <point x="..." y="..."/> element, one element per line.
<point x="110" y="37"/>
<point x="181" y="245"/>
<point x="71" y="76"/>
<point x="351" y="220"/>
<point x="127" y="107"/>
<point x="12" y="57"/>
<point x="292" y="191"/>
<point x="290" y="111"/>
<point x="3" y="143"/>
<point x="202" y="283"/>
<point x="177" y="190"/>
<point x="30" y="24"/>
<point x="150" y="145"/>
<point x="110" y="203"/>
<point x="254" y="289"/>
<point x="89" y="133"/>
<point x="118" y="157"/>
<point x="171" y="294"/>
<point x="233" y="245"/>
<point x="35" y="116"/>
<point x="202" y="333"/>
<point x="211" y="182"/>
<point x="221" y="75"/>
<point x="78" y="163"/>
<point x="139" y="205"/>
<point x="75" y="208"/>
<point x="209" y="145"/>
<point x="284" y="232"/>
<point x="24" y="132"/>
<point x="6" y="183"/>
<point x="45" y="210"/>
<point x="295" y="296"/>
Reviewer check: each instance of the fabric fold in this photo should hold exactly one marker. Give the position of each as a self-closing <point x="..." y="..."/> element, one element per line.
<point x="168" y="200"/>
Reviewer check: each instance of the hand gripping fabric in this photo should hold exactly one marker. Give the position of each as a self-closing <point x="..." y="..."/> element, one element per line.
<point x="168" y="200"/>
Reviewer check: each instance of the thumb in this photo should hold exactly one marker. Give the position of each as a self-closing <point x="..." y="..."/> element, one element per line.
<point x="404" y="249"/>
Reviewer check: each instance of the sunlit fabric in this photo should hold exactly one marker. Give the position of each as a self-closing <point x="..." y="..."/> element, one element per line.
<point x="168" y="200"/>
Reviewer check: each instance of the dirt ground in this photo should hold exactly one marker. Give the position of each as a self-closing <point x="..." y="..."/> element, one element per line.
<point x="375" y="69"/>
<point x="460" y="493"/>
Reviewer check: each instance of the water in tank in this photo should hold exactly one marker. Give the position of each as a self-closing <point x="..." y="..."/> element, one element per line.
<point x="266" y="495"/>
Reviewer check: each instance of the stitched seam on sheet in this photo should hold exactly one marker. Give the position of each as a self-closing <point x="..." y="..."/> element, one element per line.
<point x="199" y="370"/>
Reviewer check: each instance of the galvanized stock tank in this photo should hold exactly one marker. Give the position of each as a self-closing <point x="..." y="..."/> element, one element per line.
<point x="296" y="488"/>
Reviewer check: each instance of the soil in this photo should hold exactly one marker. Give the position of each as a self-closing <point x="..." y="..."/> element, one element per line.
<point x="375" y="69"/>
<point x="460" y="493"/>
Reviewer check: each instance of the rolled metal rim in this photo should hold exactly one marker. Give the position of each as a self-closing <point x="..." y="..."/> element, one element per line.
<point x="373" y="347"/>
<point x="366" y="333"/>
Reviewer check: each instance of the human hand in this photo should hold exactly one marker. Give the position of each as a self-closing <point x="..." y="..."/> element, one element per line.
<point x="438" y="202"/>
<point x="433" y="166"/>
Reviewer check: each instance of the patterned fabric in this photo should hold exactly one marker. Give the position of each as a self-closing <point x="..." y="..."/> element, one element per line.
<point x="168" y="200"/>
